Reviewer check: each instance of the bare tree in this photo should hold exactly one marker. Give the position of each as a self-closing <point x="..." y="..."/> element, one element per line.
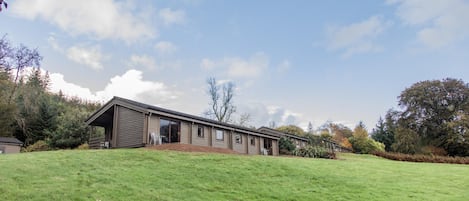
<point x="4" y="3"/>
<point x="221" y="100"/>
<point x="17" y="59"/>
<point x="244" y="119"/>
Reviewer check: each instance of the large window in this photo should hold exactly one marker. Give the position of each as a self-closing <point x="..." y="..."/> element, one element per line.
<point x="238" y="139"/>
<point x="169" y="131"/>
<point x="200" y="131"/>
<point x="219" y="135"/>
<point x="253" y="141"/>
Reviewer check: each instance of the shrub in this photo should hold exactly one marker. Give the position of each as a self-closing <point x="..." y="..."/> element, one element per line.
<point x="286" y="146"/>
<point x="366" y="145"/>
<point x="423" y="158"/>
<point x="432" y="150"/>
<point x="83" y="146"/>
<point x="314" y="152"/>
<point x="38" y="146"/>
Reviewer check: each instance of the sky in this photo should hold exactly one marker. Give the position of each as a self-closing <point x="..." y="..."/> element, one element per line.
<point x="292" y="62"/>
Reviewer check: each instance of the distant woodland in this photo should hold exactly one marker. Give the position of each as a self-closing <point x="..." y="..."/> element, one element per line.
<point x="28" y="111"/>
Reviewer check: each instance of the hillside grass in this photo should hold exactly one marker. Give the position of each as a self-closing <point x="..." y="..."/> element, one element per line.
<point x="141" y="174"/>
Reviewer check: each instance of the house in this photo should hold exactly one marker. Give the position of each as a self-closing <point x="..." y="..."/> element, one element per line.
<point x="298" y="141"/>
<point x="301" y="142"/>
<point x="10" y="145"/>
<point x="129" y="123"/>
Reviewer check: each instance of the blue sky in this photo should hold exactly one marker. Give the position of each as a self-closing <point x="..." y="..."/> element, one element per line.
<point x="293" y="62"/>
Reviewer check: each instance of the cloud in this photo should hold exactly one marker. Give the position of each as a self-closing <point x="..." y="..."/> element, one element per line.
<point x="138" y="61"/>
<point x="129" y="85"/>
<point x="239" y="67"/>
<point x="146" y="61"/>
<point x="284" y="66"/>
<point x="440" y="23"/>
<point x="90" y="56"/>
<point x="262" y="115"/>
<point x="207" y="64"/>
<point x="356" y="38"/>
<point x="172" y="16"/>
<point x="104" y="19"/>
<point x="165" y="47"/>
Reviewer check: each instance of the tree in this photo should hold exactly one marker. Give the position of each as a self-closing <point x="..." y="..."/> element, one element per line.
<point x="17" y="59"/>
<point x="434" y="111"/>
<point x="4" y="4"/>
<point x="292" y="129"/>
<point x="7" y="110"/>
<point x="407" y="141"/>
<point x="272" y="124"/>
<point x="221" y="100"/>
<point x="310" y="128"/>
<point x="385" y="129"/>
<point x="361" y="143"/>
<point x="286" y="146"/>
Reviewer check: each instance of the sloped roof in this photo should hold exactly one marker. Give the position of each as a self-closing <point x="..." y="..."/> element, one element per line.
<point x="149" y="108"/>
<point x="10" y="140"/>
<point x="280" y="134"/>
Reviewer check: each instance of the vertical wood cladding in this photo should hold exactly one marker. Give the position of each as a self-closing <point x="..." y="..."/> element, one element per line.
<point x="130" y="128"/>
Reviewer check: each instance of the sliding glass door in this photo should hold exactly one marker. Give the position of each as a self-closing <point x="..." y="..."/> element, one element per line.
<point x="169" y="131"/>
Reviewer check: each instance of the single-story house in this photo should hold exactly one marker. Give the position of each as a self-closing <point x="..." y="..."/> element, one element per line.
<point x="128" y="123"/>
<point x="299" y="141"/>
<point x="10" y="145"/>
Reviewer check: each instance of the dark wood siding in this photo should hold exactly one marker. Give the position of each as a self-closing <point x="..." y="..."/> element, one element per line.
<point x="95" y="142"/>
<point x="130" y="128"/>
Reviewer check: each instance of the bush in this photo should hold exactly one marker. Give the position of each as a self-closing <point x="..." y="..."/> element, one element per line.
<point x="83" y="146"/>
<point x="432" y="150"/>
<point x="314" y="152"/>
<point x="422" y="158"/>
<point x="286" y="146"/>
<point x="366" y="145"/>
<point x="38" y="146"/>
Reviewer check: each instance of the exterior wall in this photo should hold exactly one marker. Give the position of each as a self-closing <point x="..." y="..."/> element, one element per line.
<point x="10" y="149"/>
<point x="196" y="140"/>
<point x="275" y="147"/>
<point x="240" y="147"/>
<point x="153" y="126"/>
<point x="130" y="128"/>
<point x="220" y="143"/>
<point x="253" y="149"/>
<point x="184" y="132"/>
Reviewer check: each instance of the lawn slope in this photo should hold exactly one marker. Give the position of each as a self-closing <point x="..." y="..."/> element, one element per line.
<point x="141" y="174"/>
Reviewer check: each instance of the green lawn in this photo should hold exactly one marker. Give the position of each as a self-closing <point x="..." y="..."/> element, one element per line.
<point x="140" y="174"/>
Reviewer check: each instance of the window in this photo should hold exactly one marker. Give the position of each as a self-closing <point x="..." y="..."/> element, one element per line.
<point x="169" y="131"/>
<point x="238" y="139"/>
<point x="253" y="141"/>
<point x="200" y="132"/>
<point x="219" y="135"/>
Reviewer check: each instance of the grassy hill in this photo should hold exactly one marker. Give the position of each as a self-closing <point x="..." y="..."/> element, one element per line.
<point x="141" y="174"/>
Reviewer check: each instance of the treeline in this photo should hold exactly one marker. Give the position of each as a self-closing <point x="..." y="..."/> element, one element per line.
<point x="434" y="119"/>
<point x="28" y="111"/>
<point x="358" y="140"/>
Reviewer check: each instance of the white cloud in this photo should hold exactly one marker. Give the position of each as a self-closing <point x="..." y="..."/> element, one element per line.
<point x="146" y="61"/>
<point x="104" y="19"/>
<point x="165" y="47"/>
<point x="90" y="56"/>
<point x="138" y="61"/>
<point x="356" y="38"/>
<point x="129" y="85"/>
<point x="207" y="64"/>
<point x="262" y="115"/>
<point x="284" y="66"/>
<point x="440" y="23"/>
<point x="172" y="16"/>
<point x="239" y="67"/>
